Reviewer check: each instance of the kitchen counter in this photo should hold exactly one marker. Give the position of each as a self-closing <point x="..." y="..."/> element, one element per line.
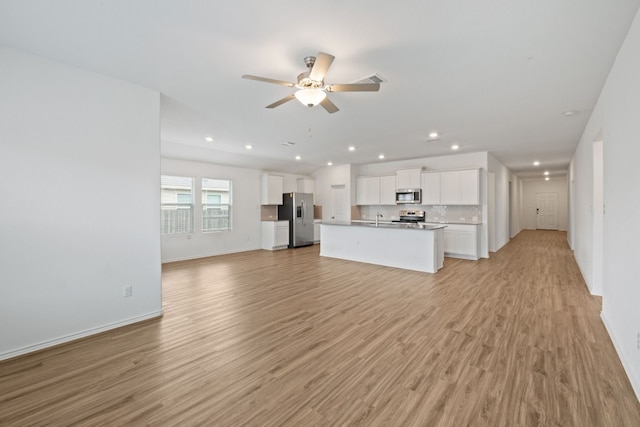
<point x="388" y="224"/>
<point x="418" y="247"/>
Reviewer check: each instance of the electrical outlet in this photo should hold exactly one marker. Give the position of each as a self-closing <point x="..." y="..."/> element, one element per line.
<point x="127" y="291"/>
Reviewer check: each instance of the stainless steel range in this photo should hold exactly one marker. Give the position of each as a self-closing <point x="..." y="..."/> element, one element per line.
<point x="411" y="216"/>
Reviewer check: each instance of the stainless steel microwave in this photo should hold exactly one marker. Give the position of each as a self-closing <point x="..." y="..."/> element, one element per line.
<point x="409" y="196"/>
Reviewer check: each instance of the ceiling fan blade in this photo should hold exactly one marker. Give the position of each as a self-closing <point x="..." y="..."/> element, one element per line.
<point x="281" y="101"/>
<point x="264" y="79"/>
<point x="354" y="87"/>
<point x="328" y="105"/>
<point x="321" y="66"/>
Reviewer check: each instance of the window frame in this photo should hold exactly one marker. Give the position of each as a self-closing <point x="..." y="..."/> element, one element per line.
<point x="169" y="227"/>
<point x="205" y="192"/>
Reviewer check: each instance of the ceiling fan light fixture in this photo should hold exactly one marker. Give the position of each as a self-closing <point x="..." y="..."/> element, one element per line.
<point x="310" y="97"/>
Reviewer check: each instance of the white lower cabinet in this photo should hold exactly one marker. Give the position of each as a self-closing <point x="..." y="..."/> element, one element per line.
<point x="316" y="231"/>
<point x="275" y="235"/>
<point x="462" y="241"/>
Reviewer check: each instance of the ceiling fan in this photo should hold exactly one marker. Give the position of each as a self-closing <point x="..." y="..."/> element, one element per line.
<point x="311" y="88"/>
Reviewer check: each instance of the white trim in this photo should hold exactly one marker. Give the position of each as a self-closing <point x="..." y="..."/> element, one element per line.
<point x="194" y="257"/>
<point x="626" y="363"/>
<point x="78" y="335"/>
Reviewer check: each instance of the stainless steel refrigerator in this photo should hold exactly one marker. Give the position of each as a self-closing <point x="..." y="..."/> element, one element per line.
<point x="298" y="209"/>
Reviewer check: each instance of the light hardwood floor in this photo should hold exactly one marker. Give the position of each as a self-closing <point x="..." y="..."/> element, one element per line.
<point x="288" y="338"/>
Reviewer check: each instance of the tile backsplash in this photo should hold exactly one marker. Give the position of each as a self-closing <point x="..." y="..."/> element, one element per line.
<point x="449" y="213"/>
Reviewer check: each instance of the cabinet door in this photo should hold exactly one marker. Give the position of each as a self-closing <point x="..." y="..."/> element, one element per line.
<point x="430" y="188"/>
<point x="466" y="243"/>
<point x="450" y="188"/>
<point x="374" y="191"/>
<point x="450" y="241"/>
<point x="408" y="178"/>
<point x="361" y="190"/>
<point x="306" y="185"/>
<point x="272" y="190"/>
<point x="469" y="187"/>
<point x="368" y="190"/>
<point x="388" y="190"/>
<point x="282" y="234"/>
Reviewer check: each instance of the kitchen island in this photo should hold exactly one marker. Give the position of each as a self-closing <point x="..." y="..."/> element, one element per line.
<point x="418" y="247"/>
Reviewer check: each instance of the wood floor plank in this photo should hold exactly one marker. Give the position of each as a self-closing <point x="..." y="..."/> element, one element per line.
<point x="288" y="338"/>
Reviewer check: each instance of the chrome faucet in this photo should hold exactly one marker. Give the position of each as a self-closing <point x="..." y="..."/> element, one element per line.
<point x="378" y="215"/>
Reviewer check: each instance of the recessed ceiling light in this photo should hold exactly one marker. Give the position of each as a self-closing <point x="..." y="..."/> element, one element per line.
<point x="381" y="156"/>
<point x="329" y="163"/>
<point x="536" y="163"/>
<point x="546" y="173"/>
<point x="352" y="148"/>
<point x="547" y="179"/>
<point x="248" y="146"/>
<point x="433" y="135"/>
<point x="298" y="157"/>
<point x="455" y="147"/>
<point x="209" y="139"/>
<point x="569" y="113"/>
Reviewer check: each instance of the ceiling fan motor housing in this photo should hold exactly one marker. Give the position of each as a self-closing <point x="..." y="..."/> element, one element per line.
<point x="304" y="82"/>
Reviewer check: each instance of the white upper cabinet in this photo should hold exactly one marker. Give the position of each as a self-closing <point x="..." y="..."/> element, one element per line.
<point x="388" y="190"/>
<point x="376" y="190"/>
<point x="307" y="185"/>
<point x="431" y="188"/>
<point x="368" y="190"/>
<point x="408" y="178"/>
<point x="470" y="187"/>
<point x="460" y="187"/>
<point x="272" y="189"/>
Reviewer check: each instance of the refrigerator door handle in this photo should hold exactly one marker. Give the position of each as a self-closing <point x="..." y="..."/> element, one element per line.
<point x="302" y="203"/>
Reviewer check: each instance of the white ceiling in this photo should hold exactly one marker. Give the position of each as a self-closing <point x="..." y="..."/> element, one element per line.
<point x="493" y="75"/>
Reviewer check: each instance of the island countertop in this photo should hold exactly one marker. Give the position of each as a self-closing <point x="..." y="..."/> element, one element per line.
<point x="388" y="224"/>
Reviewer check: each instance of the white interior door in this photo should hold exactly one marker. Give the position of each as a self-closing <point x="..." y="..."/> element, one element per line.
<point x="340" y="209"/>
<point x="547" y="211"/>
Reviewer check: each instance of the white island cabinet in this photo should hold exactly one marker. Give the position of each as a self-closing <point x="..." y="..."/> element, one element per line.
<point x="419" y="249"/>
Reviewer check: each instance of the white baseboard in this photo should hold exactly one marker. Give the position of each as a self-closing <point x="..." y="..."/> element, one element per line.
<point x="78" y="335"/>
<point x="626" y="364"/>
<point x="209" y="255"/>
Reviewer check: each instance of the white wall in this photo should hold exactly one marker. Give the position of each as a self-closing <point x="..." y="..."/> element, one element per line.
<point x="616" y="113"/>
<point x="533" y="186"/>
<point x="516" y="205"/>
<point x="245" y="234"/>
<point x="582" y="216"/>
<point x="333" y="175"/>
<point x="79" y="176"/>
<point x="621" y="290"/>
<point x="502" y="176"/>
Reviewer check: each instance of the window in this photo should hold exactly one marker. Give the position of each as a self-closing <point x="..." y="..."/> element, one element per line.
<point x="176" y="198"/>
<point x="216" y="204"/>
